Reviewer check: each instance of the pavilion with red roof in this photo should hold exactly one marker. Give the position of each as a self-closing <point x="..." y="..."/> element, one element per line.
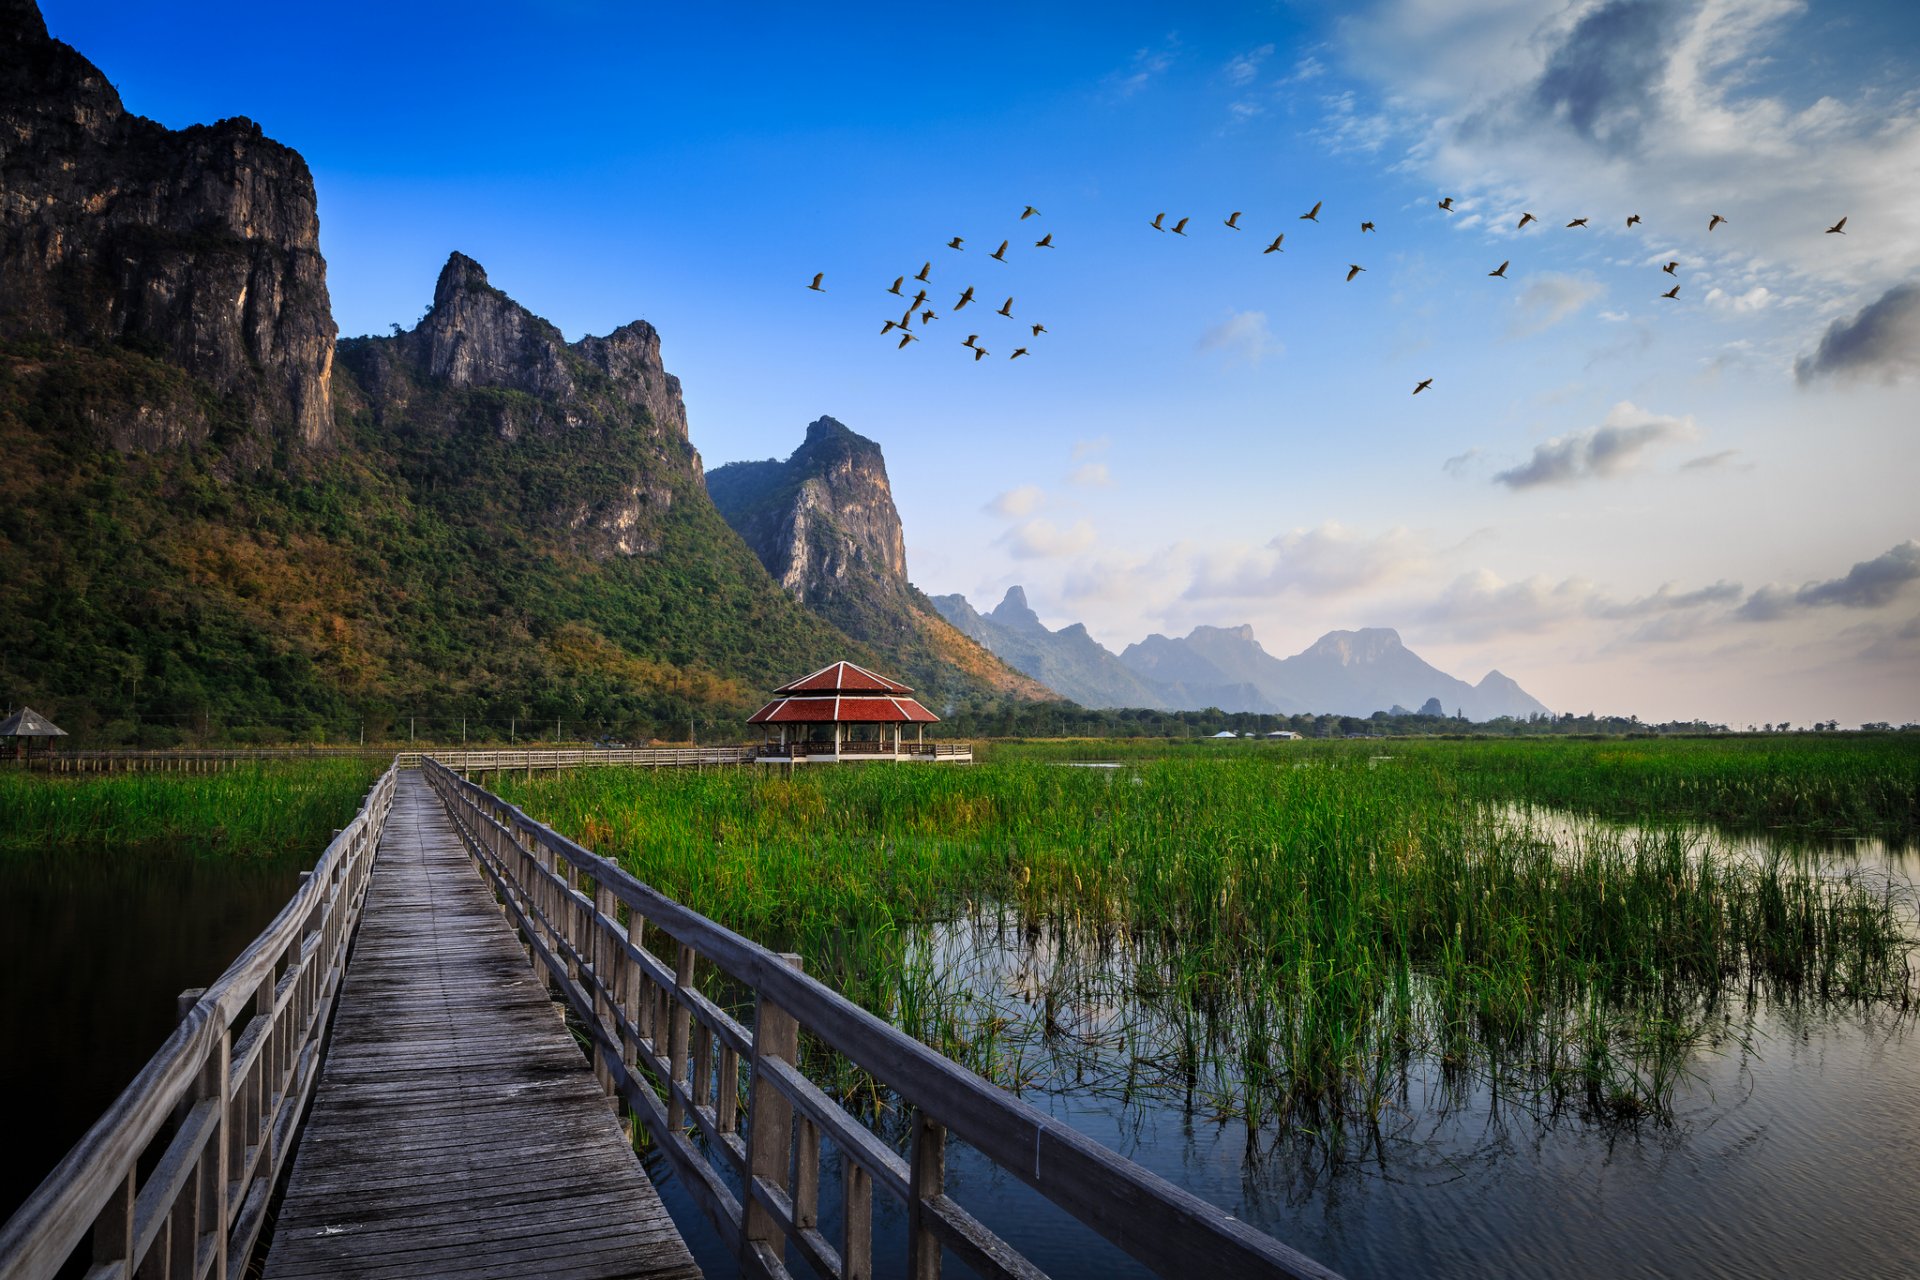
<point x="846" y="711"/>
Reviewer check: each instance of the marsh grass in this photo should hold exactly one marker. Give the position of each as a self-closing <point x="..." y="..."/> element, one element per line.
<point x="251" y="810"/>
<point x="1275" y="938"/>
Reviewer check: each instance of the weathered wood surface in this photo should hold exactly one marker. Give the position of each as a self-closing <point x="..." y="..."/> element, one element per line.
<point x="457" y="1130"/>
<point x="639" y="1015"/>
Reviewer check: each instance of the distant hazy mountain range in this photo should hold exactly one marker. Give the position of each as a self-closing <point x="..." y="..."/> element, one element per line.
<point x="1343" y="673"/>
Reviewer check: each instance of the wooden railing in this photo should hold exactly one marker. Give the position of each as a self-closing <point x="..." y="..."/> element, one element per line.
<point x="906" y="750"/>
<point x="678" y="1061"/>
<point x="232" y="1080"/>
<point x="583" y="758"/>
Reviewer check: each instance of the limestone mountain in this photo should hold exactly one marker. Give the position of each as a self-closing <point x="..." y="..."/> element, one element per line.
<point x="1343" y="673"/>
<point x="824" y="525"/>
<point x="215" y="525"/>
<point x="1351" y="673"/>
<point x="199" y="247"/>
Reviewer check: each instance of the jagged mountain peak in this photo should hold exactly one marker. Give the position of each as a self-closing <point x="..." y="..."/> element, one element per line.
<point x="1014" y="611"/>
<point x="1350" y="648"/>
<point x="1242" y="633"/>
<point x="461" y="274"/>
<point x="21" y="23"/>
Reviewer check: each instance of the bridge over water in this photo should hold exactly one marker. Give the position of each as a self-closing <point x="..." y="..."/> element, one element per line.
<point x="383" y="1084"/>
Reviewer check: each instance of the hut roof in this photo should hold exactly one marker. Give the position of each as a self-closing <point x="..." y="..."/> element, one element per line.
<point x="836" y="710"/>
<point x="28" y="723"/>
<point x="843" y="677"/>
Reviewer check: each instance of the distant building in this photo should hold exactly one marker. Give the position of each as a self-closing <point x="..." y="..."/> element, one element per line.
<point x="1226" y="733"/>
<point x="1288" y="734"/>
<point x="29" y="733"/>
<point x="845" y="712"/>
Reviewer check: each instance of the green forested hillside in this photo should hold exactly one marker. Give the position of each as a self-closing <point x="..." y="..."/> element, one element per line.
<point x="416" y="570"/>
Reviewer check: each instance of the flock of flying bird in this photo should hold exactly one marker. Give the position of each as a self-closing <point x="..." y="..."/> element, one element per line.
<point x="972" y="342"/>
<point x="917" y="308"/>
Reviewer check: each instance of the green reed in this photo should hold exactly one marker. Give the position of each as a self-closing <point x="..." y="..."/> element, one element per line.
<point x="1287" y="938"/>
<point x="254" y="809"/>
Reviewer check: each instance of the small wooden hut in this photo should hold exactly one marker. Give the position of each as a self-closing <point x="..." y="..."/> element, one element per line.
<point x="29" y="734"/>
<point x="844" y="712"/>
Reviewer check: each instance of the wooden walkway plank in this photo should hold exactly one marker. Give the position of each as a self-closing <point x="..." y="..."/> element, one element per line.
<point x="457" y="1130"/>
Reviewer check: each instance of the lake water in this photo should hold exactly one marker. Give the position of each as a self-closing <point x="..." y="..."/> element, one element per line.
<point x="95" y="945"/>
<point x="1794" y="1149"/>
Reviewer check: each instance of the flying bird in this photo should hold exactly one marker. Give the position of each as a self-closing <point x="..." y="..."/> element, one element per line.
<point x="1233" y="220"/>
<point x="1006" y="309"/>
<point x="919" y="296"/>
<point x="1838" y="229"/>
<point x="1275" y="246"/>
<point x="1500" y="270"/>
<point x="1422" y="385"/>
<point x="889" y="327"/>
<point x="1039" y="329"/>
<point x="924" y="268"/>
<point x="1671" y="268"/>
<point x="1180" y="227"/>
<point x="1044" y="242"/>
<point x="1366" y="226"/>
<point x="1158" y="218"/>
<point x="1672" y="293"/>
<point x="905" y="338"/>
<point x="1525" y="218"/>
<point x="1028" y="212"/>
<point x="817" y="278"/>
<point x="970" y="339"/>
<point x="1000" y="254"/>
<point x="1017" y="353"/>
<point x="1632" y="218"/>
<point x="979" y="354"/>
<point x="906" y="321"/>
<point x="965" y="298"/>
<point x="1313" y="214"/>
<point x="1578" y="222"/>
<point x="1353" y="269"/>
<point x="1447" y="204"/>
<point x="927" y="315"/>
<point x="1714" y="221"/>
<point x="897" y="282"/>
<point x="955" y="244"/>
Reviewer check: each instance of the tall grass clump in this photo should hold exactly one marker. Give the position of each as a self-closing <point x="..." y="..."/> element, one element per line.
<point x="256" y="809"/>
<point x="1286" y="938"/>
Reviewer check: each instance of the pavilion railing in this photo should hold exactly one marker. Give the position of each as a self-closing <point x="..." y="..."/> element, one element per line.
<point x="232" y="1081"/>
<point x="681" y="1064"/>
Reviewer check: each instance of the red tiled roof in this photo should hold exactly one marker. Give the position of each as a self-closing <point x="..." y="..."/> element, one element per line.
<point x="829" y="710"/>
<point x="843" y="677"/>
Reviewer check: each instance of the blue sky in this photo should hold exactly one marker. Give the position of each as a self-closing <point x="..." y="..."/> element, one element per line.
<point x="1692" y="507"/>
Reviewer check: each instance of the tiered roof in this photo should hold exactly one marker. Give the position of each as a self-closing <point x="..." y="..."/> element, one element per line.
<point x="843" y="693"/>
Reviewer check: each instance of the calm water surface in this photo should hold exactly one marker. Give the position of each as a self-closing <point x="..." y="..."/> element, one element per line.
<point x="95" y="944"/>
<point x="1792" y="1150"/>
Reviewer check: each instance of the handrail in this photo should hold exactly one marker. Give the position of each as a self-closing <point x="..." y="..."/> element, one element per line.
<point x="652" y="1033"/>
<point x="236" y="1095"/>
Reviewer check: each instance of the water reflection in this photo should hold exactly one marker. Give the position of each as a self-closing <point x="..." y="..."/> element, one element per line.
<point x="95" y="945"/>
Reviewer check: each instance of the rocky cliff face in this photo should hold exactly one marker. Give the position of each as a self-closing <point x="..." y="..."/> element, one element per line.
<point x="199" y="246"/>
<point x="480" y="362"/>
<point x="824" y="524"/>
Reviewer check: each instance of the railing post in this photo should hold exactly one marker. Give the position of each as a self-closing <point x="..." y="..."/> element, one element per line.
<point x="214" y="1209"/>
<point x="927" y="1178"/>
<point x="776" y="1034"/>
<point x="856" y="1215"/>
<point x="678" y="1029"/>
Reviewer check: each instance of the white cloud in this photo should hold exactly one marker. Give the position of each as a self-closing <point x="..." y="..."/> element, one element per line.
<point x="1243" y="335"/>
<point x="1549" y="298"/>
<point x="1087" y="448"/>
<point x="1617" y="447"/>
<point x="1244" y="67"/>
<point x="1752" y="300"/>
<point x="1041" y="539"/>
<point x="1328" y="560"/>
<point x="1091" y="475"/>
<point x="1868" y="585"/>
<point x="1018" y="502"/>
<point x="1146" y="66"/>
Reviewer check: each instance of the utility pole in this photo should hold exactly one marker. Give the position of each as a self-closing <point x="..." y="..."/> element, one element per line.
<point x="513" y="726"/>
<point x="463" y="731"/>
<point x="409" y="728"/>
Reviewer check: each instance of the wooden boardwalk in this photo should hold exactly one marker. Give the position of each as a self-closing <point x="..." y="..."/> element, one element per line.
<point x="457" y="1129"/>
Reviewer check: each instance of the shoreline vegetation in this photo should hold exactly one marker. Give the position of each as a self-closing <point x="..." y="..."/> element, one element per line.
<point x="1296" y="937"/>
<point x="261" y="809"/>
